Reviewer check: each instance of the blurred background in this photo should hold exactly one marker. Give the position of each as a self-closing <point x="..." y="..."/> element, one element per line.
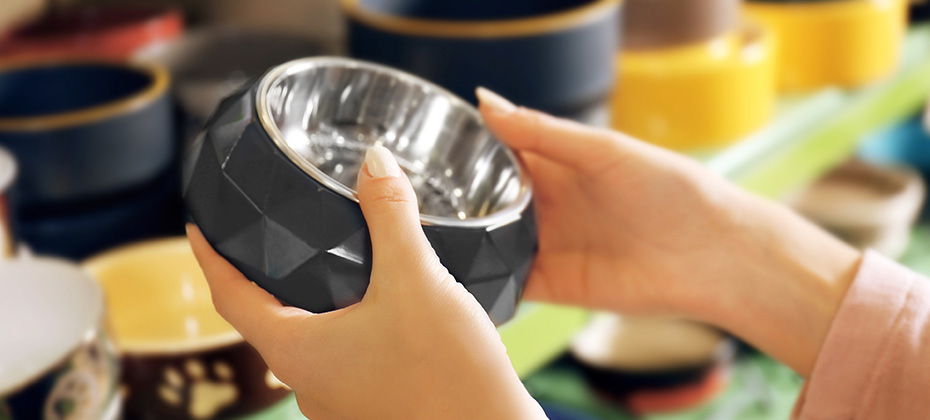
<point x="104" y="314"/>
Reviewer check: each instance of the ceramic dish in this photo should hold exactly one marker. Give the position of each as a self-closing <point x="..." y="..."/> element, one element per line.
<point x="7" y="176"/>
<point x="550" y="55"/>
<point x="56" y="361"/>
<point x="652" y="365"/>
<point x="84" y="130"/>
<point x="697" y="96"/>
<point x="76" y="232"/>
<point x="180" y="359"/>
<point x="271" y="183"/>
<point x="654" y="24"/>
<point x="866" y="205"/>
<point x="93" y="32"/>
<point x="846" y="43"/>
<point x="210" y="63"/>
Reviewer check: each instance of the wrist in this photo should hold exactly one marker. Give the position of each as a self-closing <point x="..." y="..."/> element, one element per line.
<point x="784" y="282"/>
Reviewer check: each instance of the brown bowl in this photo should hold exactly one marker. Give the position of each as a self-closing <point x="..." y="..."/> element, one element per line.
<point x="651" y="24"/>
<point x="180" y="359"/>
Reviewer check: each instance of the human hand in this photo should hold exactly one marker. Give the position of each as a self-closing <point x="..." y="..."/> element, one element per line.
<point x="418" y="345"/>
<point x="629" y="227"/>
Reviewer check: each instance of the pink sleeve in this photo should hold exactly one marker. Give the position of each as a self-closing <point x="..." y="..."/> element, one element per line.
<point x="875" y="362"/>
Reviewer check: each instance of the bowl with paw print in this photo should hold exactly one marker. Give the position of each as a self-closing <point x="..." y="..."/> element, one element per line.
<point x="180" y="359"/>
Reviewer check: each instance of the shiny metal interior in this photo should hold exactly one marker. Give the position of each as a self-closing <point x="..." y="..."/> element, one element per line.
<point x="324" y="113"/>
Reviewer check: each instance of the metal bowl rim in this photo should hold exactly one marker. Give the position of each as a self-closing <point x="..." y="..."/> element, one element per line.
<point x="510" y="213"/>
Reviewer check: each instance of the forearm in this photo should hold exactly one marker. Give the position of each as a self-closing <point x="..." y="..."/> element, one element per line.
<point x="786" y="285"/>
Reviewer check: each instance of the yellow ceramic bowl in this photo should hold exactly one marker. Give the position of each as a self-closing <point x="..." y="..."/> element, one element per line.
<point x="847" y="43"/>
<point x="696" y="96"/>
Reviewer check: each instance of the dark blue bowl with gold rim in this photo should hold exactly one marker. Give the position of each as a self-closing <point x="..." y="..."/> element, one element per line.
<point x="84" y="130"/>
<point x="553" y="55"/>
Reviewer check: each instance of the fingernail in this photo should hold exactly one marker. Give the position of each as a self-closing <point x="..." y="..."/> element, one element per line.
<point x="381" y="163"/>
<point x="494" y="101"/>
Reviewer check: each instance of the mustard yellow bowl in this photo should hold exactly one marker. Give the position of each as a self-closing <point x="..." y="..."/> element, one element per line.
<point x="699" y="95"/>
<point x="846" y="43"/>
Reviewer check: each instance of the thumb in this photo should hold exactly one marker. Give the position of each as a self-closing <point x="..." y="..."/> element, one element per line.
<point x="390" y="208"/>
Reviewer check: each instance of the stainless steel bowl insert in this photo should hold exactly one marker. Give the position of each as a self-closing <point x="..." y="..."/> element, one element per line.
<point x="324" y="114"/>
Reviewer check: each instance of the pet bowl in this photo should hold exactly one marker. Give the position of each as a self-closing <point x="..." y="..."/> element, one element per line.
<point x="83" y="130"/>
<point x="553" y="55"/>
<point x="170" y="340"/>
<point x="271" y="183"/>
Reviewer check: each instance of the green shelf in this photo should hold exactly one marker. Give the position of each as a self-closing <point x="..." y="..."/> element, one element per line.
<point x="808" y="136"/>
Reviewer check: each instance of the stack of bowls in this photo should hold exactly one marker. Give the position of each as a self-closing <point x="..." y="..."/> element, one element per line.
<point x="56" y="361"/>
<point x="96" y="153"/>
<point x="180" y="359"/>
<point x="93" y="32"/>
<point x="694" y="75"/>
<point x="550" y="55"/>
<point x="820" y="43"/>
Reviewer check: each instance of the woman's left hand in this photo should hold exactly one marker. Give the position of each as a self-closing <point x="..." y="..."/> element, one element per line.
<point x="418" y="345"/>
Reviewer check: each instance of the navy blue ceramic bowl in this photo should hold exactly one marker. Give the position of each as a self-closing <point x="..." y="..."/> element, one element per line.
<point x="77" y="232"/>
<point x="554" y="55"/>
<point x="84" y="130"/>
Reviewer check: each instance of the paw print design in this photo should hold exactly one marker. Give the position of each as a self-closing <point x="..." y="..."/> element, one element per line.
<point x="200" y="394"/>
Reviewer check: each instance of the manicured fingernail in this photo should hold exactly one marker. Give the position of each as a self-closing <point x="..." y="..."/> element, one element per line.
<point x="381" y="163"/>
<point x="494" y="101"/>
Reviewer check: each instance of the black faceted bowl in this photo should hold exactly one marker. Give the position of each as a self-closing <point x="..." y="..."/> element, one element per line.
<point x="271" y="183"/>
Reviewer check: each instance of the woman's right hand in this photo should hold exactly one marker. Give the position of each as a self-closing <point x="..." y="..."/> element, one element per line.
<point x="629" y="227"/>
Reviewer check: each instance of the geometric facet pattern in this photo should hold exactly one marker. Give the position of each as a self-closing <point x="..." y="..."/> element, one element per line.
<point x="308" y="245"/>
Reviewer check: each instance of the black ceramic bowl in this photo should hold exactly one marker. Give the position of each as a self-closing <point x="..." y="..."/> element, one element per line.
<point x="271" y="183"/>
<point x="554" y="55"/>
<point x="83" y="130"/>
